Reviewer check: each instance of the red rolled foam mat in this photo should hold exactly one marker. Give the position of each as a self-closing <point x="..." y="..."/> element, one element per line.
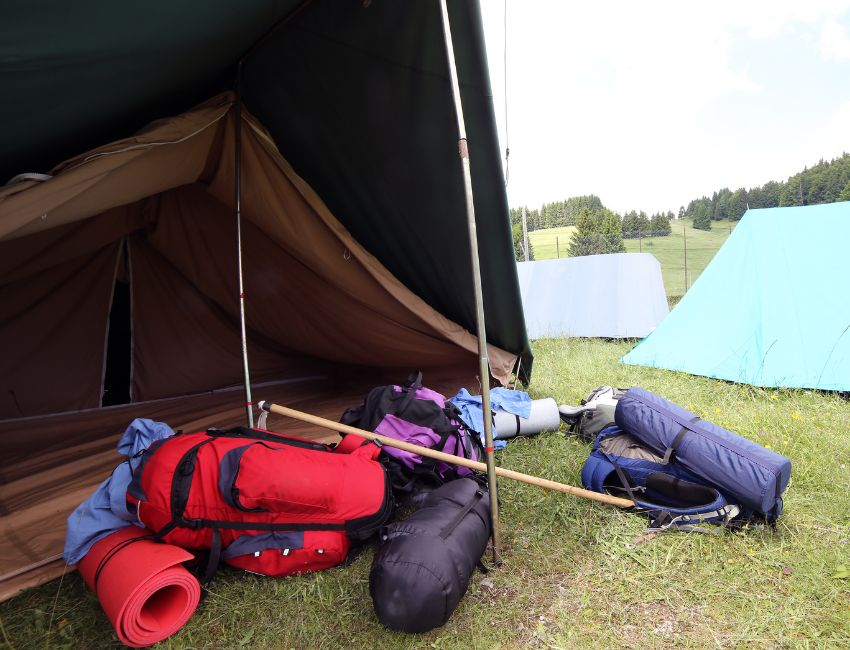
<point x="146" y="593"/>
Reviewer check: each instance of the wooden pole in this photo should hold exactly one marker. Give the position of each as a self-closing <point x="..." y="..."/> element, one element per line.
<point x="442" y="456"/>
<point x="483" y="355"/>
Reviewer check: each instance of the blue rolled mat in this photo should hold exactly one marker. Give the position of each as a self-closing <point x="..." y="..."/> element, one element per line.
<point x="745" y="472"/>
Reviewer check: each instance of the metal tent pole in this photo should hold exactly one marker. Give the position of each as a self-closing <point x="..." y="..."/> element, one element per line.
<point x="484" y="361"/>
<point x="238" y="184"/>
<point x="249" y="404"/>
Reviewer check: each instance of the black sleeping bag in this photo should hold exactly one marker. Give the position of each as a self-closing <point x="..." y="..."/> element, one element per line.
<point x="423" y="566"/>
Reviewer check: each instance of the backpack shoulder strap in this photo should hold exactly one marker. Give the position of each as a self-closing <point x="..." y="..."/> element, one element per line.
<point x="352" y="443"/>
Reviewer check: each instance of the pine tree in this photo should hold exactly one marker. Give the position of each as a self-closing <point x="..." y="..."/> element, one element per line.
<point x="659" y="226"/>
<point x="630" y="225"/>
<point x="702" y="218"/>
<point x="612" y="233"/>
<point x="737" y="205"/>
<point x="519" y="254"/>
<point x="642" y="224"/>
<point x="586" y="238"/>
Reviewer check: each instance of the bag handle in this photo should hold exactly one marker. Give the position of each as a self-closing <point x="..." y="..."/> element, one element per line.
<point x="449" y="527"/>
<point x="408" y="390"/>
<point x="413" y="381"/>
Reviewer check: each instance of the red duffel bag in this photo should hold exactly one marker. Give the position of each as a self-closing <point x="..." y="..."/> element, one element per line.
<point x="264" y="502"/>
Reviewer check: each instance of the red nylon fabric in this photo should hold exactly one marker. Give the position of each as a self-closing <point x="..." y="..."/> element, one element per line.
<point x="287" y="484"/>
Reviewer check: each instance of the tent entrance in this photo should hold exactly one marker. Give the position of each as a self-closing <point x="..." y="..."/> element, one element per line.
<point x="117" y="374"/>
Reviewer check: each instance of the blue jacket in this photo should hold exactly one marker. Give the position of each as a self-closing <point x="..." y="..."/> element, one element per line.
<point x="105" y="511"/>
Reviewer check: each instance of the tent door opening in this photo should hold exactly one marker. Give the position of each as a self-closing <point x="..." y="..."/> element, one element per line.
<point x="118" y="365"/>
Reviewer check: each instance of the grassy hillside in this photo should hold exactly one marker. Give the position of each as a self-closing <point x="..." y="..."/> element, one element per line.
<point x="545" y="243"/>
<point x="670" y="250"/>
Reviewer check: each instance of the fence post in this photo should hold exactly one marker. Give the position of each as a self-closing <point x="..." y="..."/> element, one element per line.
<point x="524" y="234"/>
<point x="557" y="248"/>
<point x="685" y="243"/>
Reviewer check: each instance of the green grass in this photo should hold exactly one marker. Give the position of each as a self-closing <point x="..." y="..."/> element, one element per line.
<point x="575" y="574"/>
<point x="669" y="250"/>
<point x="546" y="244"/>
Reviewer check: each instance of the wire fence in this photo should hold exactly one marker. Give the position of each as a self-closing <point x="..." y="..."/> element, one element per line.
<point x="683" y="253"/>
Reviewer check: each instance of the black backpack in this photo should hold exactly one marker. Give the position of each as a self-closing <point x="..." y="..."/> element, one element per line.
<point x="413" y="413"/>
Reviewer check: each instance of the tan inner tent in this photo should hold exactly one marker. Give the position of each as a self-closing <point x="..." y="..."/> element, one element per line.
<point x="325" y="320"/>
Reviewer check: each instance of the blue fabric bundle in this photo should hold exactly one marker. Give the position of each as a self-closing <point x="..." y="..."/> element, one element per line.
<point x="105" y="511"/>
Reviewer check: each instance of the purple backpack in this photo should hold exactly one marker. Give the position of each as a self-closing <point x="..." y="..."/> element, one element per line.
<point x="420" y="416"/>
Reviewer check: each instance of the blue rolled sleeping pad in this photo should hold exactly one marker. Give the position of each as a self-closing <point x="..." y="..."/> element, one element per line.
<point x="747" y="473"/>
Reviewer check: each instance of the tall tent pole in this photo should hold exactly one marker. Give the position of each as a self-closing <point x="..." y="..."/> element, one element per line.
<point x="249" y="404"/>
<point x="238" y="184"/>
<point x="484" y="361"/>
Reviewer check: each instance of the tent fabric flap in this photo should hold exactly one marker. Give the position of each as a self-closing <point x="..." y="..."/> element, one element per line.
<point x="118" y="266"/>
<point x="52" y="333"/>
<point x="356" y="94"/>
<point x="312" y="291"/>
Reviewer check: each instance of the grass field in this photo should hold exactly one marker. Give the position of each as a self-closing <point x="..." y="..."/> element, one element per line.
<point x="546" y="244"/>
<point x="669" y="250"/>
<point x="575" y="574"/>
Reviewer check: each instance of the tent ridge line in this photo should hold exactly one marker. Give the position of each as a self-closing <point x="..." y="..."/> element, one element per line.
<point x="149" y="145"/>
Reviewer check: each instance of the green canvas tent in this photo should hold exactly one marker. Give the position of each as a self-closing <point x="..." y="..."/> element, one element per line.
<point x="117" y="240"/>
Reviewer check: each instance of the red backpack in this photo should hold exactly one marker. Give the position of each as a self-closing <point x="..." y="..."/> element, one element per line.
<point x="263" y="502"/>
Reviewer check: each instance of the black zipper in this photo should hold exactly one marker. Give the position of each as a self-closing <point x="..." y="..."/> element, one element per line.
<point x="255" y="434"/>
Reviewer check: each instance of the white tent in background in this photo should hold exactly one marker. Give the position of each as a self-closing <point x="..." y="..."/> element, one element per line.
<point x="619" y="295"/>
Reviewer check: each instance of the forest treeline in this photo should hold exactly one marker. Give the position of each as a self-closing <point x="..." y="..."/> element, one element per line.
<point x="825" y="182"/>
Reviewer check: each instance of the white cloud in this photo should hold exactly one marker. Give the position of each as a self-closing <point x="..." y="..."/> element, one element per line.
<point x="763" y="19"/>
<point x="836" y="134"/>
<point x="834" y="41"/>
<point x="620" y="98"/>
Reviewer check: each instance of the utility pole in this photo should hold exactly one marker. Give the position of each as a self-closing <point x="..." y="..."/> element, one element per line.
<point x="524" y="234"/>
<point x="685" y="242"/>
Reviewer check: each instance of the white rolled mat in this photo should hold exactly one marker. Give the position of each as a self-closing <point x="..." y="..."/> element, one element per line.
<point x="544" y="416"/>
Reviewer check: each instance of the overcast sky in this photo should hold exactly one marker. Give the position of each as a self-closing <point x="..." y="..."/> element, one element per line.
<point x="651" y="104"/>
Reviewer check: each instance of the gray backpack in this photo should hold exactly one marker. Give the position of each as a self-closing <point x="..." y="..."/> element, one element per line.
<point x="594" y="414"/>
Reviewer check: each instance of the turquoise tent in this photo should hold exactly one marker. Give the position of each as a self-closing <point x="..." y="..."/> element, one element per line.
<point x="771" y="309"/>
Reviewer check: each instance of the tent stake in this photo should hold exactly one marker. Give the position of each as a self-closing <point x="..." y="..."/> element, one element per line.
<point x="238" y="183"/>
<point x="483" y="358"/>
